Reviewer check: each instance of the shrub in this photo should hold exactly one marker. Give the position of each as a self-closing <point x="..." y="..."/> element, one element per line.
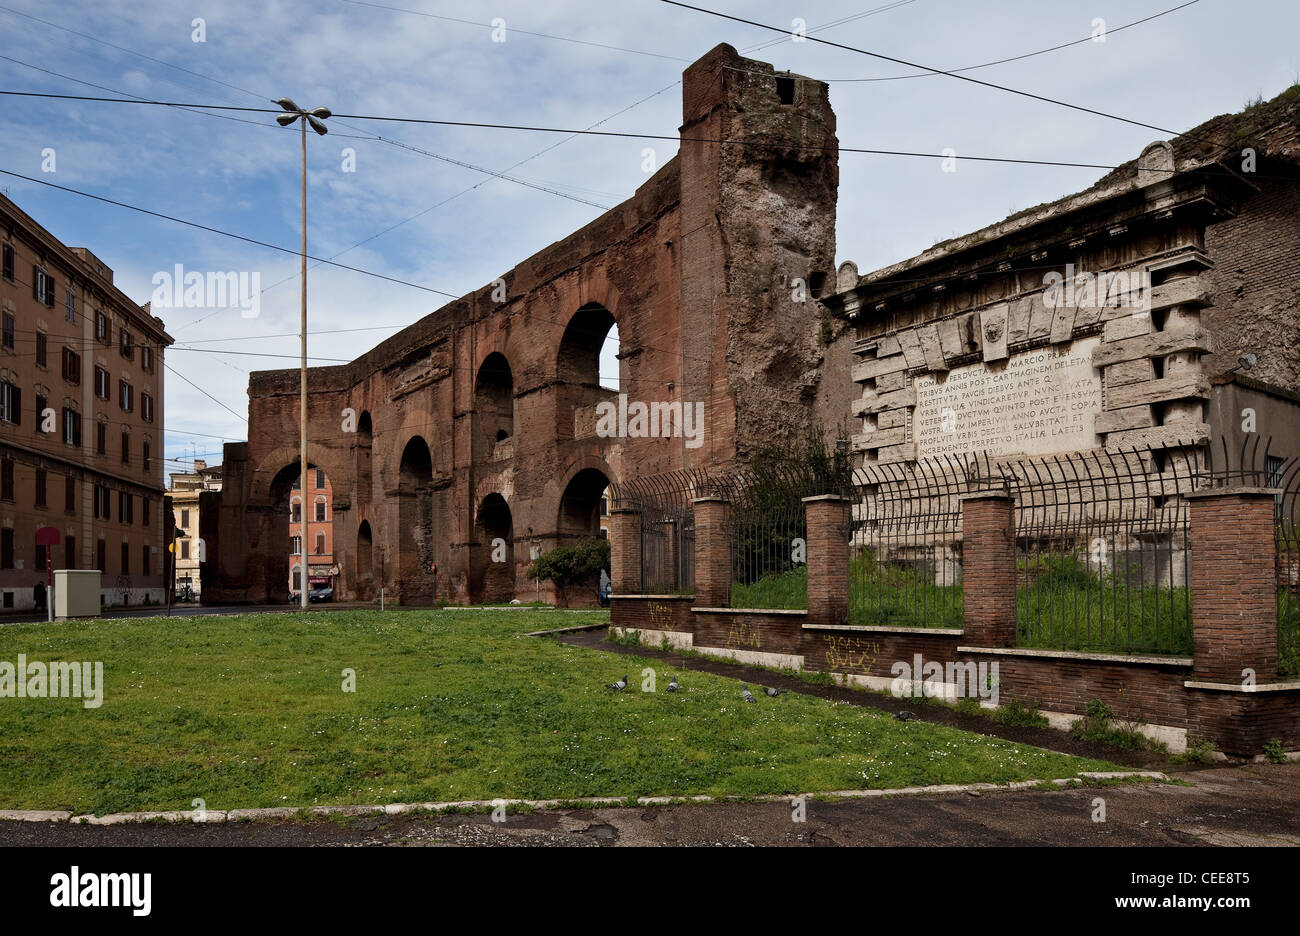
<point x="567" y="565"/>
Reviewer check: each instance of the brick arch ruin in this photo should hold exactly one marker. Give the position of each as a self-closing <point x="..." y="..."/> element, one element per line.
<point x="501" y="385"/>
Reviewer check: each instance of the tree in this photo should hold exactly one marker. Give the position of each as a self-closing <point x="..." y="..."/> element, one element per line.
<point x="569" y="565"/>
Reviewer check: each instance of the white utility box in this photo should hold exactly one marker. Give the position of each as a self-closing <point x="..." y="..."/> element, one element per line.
<point x="76" y="593"/>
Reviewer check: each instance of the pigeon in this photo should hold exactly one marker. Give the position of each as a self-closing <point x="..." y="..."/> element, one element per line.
<point x="620" y="685"/>
<point x="771" y="693"/>
<point x="904" y="716"/>
<point x="672" y="686"/>
<point x="746" y="694"/>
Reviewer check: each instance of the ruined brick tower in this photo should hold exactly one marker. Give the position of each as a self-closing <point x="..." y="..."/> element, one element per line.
<point x="475" y="437"/>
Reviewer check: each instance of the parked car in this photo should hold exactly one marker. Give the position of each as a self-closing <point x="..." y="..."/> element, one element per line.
<point x="324" y="593"/>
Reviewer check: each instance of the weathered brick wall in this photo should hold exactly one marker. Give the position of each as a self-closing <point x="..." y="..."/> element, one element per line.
<point x="691" y="268"/>
<point x="1256" y="282"/>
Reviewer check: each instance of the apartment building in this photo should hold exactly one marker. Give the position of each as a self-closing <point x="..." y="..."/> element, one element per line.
<point x="316" y="523"/>
<point x="81" y="428"/>
<point x="185" y="490"/>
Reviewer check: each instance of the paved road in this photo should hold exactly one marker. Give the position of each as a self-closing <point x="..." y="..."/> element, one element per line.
<point x="1228" y="806"/>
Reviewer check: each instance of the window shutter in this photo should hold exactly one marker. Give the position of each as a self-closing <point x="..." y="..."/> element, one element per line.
<point x="36" y="281"/>
<point x="49" y="291"/>
<point x="18" y="406"/>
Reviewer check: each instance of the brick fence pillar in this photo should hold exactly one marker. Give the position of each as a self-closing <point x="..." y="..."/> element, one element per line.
<point x="827" y="520"/>
<point x="625" y="551"/>
<point x="988" y="583"/>
<point x="1234" y="586"/>
<point x="712" y="552"/>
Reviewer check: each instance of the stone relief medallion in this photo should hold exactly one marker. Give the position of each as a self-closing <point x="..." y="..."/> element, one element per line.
<point x="993" y="332"/>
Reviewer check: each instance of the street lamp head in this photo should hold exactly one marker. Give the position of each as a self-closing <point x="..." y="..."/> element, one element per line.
<point x="324" y="113"/>
<point x="287" y="104"/>
<point x="316" y="125"/>
<point x="285" y="119"/>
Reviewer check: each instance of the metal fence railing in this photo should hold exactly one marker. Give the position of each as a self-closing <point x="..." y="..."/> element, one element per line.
<point x="664" y="502"/>
<point x="1102" y="559"/>
<point x="905" y="546"/>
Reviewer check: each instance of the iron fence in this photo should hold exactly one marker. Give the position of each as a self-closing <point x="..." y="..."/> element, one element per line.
<point x="667" y="527"/>
<point x="905" y="546"/>
<point x="1102" y="558"/>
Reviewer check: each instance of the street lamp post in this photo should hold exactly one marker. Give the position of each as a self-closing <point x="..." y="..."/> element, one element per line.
<point x="316" y="117"/>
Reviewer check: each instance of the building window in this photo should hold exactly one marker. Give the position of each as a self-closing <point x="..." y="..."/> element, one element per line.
<point x="320" y="511"/>
<point x="295" y="545"/>
<point x="40" y="558"/>
<point x="126" y="396"/>
<point x="320" y="544"/>
<point x="128" y="350"/>
<point x="101" y="556"/>
<point x="70" y="553"/>
<point x="9" y="262"/>
<point x="144" y="510"/>
<point x="40" y="349"/>
<point x="185" y="519"/>
<point x="71" y="366"/>
<point x="296" y="514"/>
<point x="69" y="496"/>
<point x="11" y="403"/>
<point x="147" y="455"/>
<point x="43" y="286"/>
<point x="101" y="502"/>
<point x="70" y="306"/>
<point x="146" y="407"/>
<point x="7" y="550"/>
<point x="320" y="480"/>
<point x="40" y="487"/>
<point x="126" y="558"/>
<point x="125" y="507"/>
<point x="101" y="438"/>
<point x="7" y="331"/>
<point x="71" y="427"/>
<point x="185" y="549"/>
<point x="101" y="382"/>
<point x="6" y="479"/>
<point x="144" y="560"/>
<point x="102" y="330"/>
<point x="126" y="447"/>
<point x="146" y="359"/>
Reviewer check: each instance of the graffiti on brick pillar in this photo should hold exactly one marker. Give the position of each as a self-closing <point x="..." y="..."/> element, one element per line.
<point x="661" y="617"/>
<point x="743" y="635"/>
<point x="850" y="652"/>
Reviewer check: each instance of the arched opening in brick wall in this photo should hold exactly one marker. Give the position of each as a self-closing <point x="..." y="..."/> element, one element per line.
<point x="494" y="409"/>
<point x="580" y="506"/>
<point x="365" y="560"/>
<point x="492" y="556"/>
<point x="413" y="562"/>
<point x="579" y="371"/>
<point x="364" y="449"/>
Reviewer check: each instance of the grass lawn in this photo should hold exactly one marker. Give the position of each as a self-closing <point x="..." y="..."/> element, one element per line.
<point x="248" y="711"/>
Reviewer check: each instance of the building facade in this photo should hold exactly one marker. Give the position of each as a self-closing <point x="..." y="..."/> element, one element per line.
<point x="189" y="548"/>
<point x="81" y="427"/>
<point x="311" y="519"/>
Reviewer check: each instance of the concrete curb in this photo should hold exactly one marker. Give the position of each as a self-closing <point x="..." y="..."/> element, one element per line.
<point x="396" y="809"/>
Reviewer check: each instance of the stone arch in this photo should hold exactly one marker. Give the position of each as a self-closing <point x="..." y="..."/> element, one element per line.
<point x="494" y="408"/>
<point x="365" y="560"/>
<point x="492" y="555"/>
<point x="577" y="370"/>
<point x="578" y="512"/>
<point x="364" y="451"/>
<point x="413" y="563"/>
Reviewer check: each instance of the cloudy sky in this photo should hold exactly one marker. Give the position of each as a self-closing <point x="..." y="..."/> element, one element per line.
<point x="429" y="221"/>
